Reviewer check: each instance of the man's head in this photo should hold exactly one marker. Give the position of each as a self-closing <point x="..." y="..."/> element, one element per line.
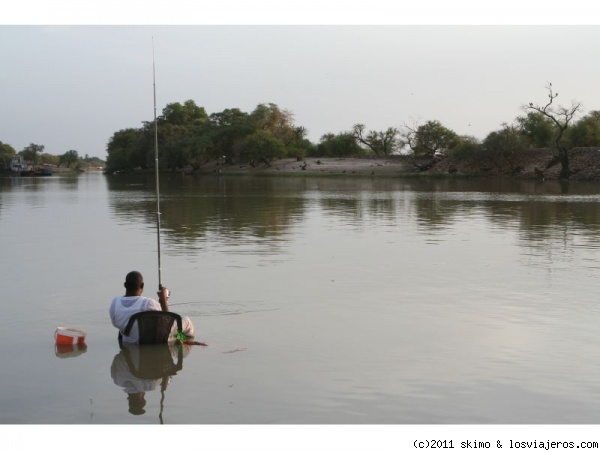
<point x="136" y="403"/>
<point x="134" y="283"/>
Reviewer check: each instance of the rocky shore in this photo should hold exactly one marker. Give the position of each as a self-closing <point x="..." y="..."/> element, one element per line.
<point x="532" y="164"/>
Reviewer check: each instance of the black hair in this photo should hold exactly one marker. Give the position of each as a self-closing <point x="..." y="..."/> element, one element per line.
<point x="134" y="280"/>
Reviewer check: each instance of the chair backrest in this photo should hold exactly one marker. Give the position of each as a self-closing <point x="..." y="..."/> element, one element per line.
<point x="154" y="327"/>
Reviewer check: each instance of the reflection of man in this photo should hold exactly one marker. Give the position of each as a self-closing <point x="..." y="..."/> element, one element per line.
<point x="138" y="369"/>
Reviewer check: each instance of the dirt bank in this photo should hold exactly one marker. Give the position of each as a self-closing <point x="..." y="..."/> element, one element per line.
<point x="390" y="166"/>
<point x="531" y="164"/>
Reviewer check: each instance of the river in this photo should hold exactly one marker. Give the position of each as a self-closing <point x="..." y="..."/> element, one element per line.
<point x="322" y="300"/>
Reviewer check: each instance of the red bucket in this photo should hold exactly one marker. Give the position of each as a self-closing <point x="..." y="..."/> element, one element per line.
<point x="69" y="336"/>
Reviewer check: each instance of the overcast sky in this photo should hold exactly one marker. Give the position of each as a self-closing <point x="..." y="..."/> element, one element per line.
<point x="72" y="87"/>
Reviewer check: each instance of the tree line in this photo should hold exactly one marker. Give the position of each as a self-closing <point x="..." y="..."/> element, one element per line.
<point x="188" y="136"/>
<point x="35" y="154"/>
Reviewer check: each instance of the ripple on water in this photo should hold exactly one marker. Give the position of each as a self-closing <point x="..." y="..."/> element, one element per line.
<point x="220" y="308"/>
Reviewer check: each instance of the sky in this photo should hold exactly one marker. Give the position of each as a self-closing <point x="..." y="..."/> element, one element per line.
<point x="70" y="81"/>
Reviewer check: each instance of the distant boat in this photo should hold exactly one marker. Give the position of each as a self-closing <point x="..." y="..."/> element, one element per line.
<point x="19" y="165"/>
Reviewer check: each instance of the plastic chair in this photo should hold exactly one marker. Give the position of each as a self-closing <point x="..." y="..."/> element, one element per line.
<point x="154" y="327"/>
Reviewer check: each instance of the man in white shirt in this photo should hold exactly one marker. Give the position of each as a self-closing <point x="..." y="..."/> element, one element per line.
<point x="122" y="308"/>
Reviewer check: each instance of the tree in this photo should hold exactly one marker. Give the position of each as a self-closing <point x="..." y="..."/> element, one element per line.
<point x="586" y="132"/>
<point x="378" y="142"/>
<point x="128" y="149"/>
<point x="226" y="130"/>
<point x="187" y="114"/>
<point x="537" y="128"/>
<point x="69" y="158"/>
<point x="262" y="146"/>
<point x="271" y="118"/>
<point x="229" y="118"/>
<point x="465" y="148"/>
<point x="429" y="140"/>
<point x="340" y="145"/>
<point x="503" y="147"/>
<point x="47" y="158"/>
<point x="561" y="117"/>
<point x="181" y="146"/>
<point x="280" y="122"/>
<point x="7" y="153"/>
<point x="32" y="152"/>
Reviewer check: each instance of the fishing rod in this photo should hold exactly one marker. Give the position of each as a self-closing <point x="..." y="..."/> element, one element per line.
<point x="156" y="167"/>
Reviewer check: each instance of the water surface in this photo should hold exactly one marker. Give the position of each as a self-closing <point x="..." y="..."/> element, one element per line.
<point x="323" y="300"/>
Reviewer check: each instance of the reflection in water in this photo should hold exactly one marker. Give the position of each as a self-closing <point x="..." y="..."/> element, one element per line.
<point x="260" y="213"/>
<point x="387" y="301"/>
<point x="142" y="368"/>
<point x="69" y="351"/>
<point x="231" y="211"/>
<point x="34" y="191"/>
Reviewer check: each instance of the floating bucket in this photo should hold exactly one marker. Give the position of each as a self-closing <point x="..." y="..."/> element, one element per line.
<point x="69" y="336"/>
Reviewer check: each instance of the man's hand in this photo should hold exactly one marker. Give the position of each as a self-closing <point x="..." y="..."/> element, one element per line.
<point x="163" y="298"/>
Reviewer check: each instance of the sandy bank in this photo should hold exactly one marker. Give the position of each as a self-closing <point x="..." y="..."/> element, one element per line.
<point x="391" y="166"/>
<point x="530" y="164"/>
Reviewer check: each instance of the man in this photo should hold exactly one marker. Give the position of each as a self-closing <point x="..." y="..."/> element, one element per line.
<point x="122" y="308"/>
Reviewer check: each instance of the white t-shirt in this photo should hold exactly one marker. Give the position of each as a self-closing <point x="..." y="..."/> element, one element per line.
<point x="122" y="308"/>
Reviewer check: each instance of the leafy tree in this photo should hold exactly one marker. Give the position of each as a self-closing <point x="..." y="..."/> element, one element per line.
<point x="32" y="153"/>
<point x="47" y="158"/>
<point x="280" y="123"/>
<point x="538" y="129"/>
<point x="181" y="146"/>
<point x="7" y="153"/>
<point x="561" y="117"/>
<point x="127" y="149"/>
<point x="188" y="136"/>
<point x="299" y="146"/>
<point x="428" y="140"/>
<point x="465" y="148"/>
<point x="187" y="114"/>
<point x="69" y="158"/>
<point x="586" y="132"/>
<point x="503" y="147"/>
<point x="271" y="118"/>
<point x="378" y="142"/>
<point x="227" y="130"/>
<point x="229" y="118"/>
<point x="340" y="145"/>
<point x="262" y="146"/>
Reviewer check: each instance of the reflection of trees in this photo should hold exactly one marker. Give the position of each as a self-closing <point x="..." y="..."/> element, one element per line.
<point x="358" y="200"/>
<point x="223" y="208"/>
<point x="560" y="220"/>
<point x="263" y="209"/>
<point x="539" y="211"/>
<point x="434" y="213"/>
<point x="35" y="191"/>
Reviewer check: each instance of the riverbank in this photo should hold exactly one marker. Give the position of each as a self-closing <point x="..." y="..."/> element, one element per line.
<point x="531" y="164"/>
<point x="387" y="166"/>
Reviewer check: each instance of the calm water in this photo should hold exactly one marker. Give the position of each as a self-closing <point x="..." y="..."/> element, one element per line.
<point x="322" y="300"/>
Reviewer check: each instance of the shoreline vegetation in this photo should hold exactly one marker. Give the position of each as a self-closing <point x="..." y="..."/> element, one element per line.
<point x="546" y="143"/>
<point x="532" y="164"/>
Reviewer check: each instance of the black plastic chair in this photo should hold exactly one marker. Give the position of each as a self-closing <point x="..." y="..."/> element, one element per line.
<point x="154" y="327"/>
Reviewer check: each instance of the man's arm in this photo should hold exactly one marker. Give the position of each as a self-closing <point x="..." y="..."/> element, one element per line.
<point x="163" y="298"/>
